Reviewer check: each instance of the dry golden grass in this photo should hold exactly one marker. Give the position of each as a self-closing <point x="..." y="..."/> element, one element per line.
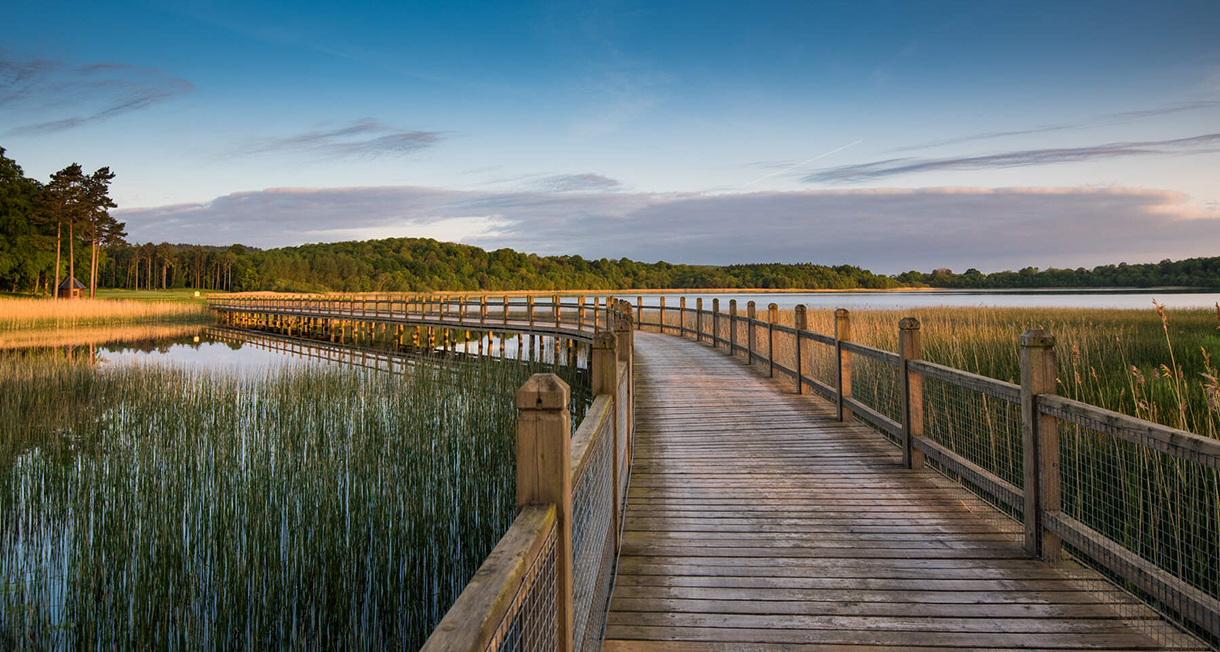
<point x="18" y="314"/>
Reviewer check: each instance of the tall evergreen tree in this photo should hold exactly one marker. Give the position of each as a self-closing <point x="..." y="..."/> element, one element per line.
<point x="100" y="225"/>
<point x="61" y="203"/>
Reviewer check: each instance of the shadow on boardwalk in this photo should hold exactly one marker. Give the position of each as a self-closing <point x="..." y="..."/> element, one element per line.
<point x="755" y="521"/>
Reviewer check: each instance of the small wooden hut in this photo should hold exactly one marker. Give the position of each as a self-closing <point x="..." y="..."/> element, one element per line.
<point x="71" y="289"/>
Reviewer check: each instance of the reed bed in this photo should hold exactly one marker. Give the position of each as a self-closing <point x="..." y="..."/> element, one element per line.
<point x="1153" y="364"/>
<point x="18" y="314"/>
<point x="155" y="507"/>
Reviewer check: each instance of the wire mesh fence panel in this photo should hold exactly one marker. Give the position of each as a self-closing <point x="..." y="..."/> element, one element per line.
<point x="529" y="625"/>
<point x="982" y="425"/>
<point x="592" y="540"/>
<point x="1138" y="501"/>
<point x="820" y="364"/>
<point x="673" y="319"/>
<point x="624" y="430"/>
<point x="874" y="383"/>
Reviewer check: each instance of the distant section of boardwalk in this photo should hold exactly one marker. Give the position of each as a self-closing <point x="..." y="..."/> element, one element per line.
<point x="757" y="522"/>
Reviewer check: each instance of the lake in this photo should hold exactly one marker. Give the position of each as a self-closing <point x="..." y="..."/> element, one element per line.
<point x="1071" y="298"/>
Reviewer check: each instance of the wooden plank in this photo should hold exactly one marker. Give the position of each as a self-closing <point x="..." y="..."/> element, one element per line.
<point x="755" y="519"/>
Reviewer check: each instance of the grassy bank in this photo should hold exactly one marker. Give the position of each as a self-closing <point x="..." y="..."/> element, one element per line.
<point x="18" y="314"/>
<point x="149" y="507"/>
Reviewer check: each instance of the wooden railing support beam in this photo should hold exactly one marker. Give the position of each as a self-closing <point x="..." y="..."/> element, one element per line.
<point x="802" y="324"/>
<point x="772" y="317"/>
<point x="544" y="476"/>
<point x="910" y="388"/>
<point x="843" y="366"/>
<point x="1040" y="440"/>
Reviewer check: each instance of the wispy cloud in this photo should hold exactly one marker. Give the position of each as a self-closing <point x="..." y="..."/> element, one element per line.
<point x="889" y="230"/>
<point x="362" y="138"/>
<point x="587" y="182"/>
<point x="1205" y="143"/>
<point x="71" y="95"/>
<point x="1099" y="121"/>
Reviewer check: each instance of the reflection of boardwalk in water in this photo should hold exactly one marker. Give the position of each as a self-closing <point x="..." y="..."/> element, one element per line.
<point x="360" y="356"/>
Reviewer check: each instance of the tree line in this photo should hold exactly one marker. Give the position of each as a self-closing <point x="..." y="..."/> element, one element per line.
<point x="72" y="208"/>
<point x="37" y="218"/>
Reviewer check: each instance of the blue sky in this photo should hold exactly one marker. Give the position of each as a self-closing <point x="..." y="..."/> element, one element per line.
<point x="971" y="134"/>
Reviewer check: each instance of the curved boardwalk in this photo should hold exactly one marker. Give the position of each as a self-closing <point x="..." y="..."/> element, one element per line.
<point x="757" y="522"/>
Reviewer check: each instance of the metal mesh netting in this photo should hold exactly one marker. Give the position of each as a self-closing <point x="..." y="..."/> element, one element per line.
<point x="818" y="362"/>
<point x="592" y="540"/>
<point x="624" y="429"/>
<point x="874" y="383"/>
<point x="529" y="625"/>
<point x="1163" y="508"/>
<point x="983" y="426"/>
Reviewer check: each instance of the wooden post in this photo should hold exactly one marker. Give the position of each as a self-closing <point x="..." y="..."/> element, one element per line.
<point x="732" y="327"/>
<point x="482" y="309"/>
<point x="715" y="323"/>
<point x="662" y="313"/>
<point x="580" y="313"/>
<point x="639" y="312"/>
<point x="699" y="319"/>
<point x="843" y="384"/>
<point x="802" y="323"/>
<point x="772" y="317"/>
<point x="555" y="309"/>
<point x="1040" y="439"/>
<point x="910" y="391"/>
<point x="682" y="316"/>
<point x="751" y="314"/>
<point x="544" y="476"/>
<point x="529" y="302"/>
<point x="604" y="366"/>
<point x="624" y="347"/>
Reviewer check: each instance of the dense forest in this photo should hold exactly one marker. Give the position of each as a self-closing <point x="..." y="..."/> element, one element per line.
<point x="50" y="231"/>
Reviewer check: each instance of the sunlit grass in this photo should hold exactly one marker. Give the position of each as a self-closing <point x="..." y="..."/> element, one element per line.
<point x="70" y="313"/>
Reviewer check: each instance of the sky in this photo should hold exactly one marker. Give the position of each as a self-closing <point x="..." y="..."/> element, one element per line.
<point x="890" y="135"/>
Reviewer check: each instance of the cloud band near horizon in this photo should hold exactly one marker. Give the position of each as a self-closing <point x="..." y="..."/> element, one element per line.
<point x="886" y="230"/>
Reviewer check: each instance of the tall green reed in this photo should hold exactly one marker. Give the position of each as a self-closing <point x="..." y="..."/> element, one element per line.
<point x="152" y="507"/>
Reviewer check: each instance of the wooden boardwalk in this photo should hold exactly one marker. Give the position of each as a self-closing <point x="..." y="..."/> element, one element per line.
<point x="757" y="522"/>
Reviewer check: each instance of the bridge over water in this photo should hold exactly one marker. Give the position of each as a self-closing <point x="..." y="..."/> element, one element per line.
<point x="744" y="484"/>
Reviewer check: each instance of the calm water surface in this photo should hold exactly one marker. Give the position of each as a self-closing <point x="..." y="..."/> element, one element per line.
<point x="1139" y="299"/>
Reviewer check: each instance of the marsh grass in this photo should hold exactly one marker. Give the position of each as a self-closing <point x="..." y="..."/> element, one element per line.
<point x="1153" y="364"/>
<point x="47" y="313"/>
<point x="154" y="507"/>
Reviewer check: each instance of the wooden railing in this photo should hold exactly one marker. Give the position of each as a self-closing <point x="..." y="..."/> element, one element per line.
<point x="1129" y="500"/>
<point x="552" y="314"/>
<point x="546" y="584"/>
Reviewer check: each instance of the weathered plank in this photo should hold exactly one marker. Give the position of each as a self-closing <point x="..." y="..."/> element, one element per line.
<point x="756" y="521"/>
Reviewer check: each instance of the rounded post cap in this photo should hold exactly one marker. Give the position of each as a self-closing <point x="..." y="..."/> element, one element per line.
<point x="908" y="324"/>
<point x="800" y="307"/>
<point x="732" y="302"/>
<point x="699" y="302"/>
<point x="773" y="306"/>
<point x="543" y="392"/>
<point x="715" y="302"/>
<point x="842" y="313"/>
<point x="1036" y="338"/>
